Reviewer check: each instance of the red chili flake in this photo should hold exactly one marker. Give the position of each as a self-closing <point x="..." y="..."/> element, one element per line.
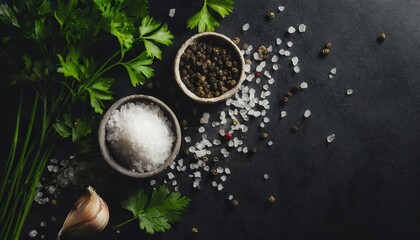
<point x="257" y="74"/>
<point x="228" y="136"/>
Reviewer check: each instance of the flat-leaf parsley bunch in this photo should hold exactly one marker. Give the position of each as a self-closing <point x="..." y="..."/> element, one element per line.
<point x="59" y="54"/>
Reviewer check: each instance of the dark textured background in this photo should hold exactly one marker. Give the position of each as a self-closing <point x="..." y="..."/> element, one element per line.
<point x="364" y="185"/>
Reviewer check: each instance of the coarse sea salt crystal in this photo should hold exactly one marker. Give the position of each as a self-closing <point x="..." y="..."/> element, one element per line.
<point x="287" y="53"/>
<point x="302" y="28"/>
<point x="291" y="30"/>
<point x="152" y="182"/>
<point x="333" y="71"/>
<point x="170" y="175"/>
<point x="281" y="8"/>
<point x="187" y="139"/>
<point x="307" y="113"/>
<point x="283" y="114"/>
<point x="330" y="138"/>
<point x="349" y="91"/>
<point x="201" y="129"/>
<point x="227" y="170"/>
<point x="245" y="27"/>
<point x="220" y="187"/>
<point x="230" y="197"/>
<point x="274" y="59"/>
<point x="304" y="85"/>
<point x="295" y="60"/>
<point x="33" y="233"/>
<point x="289" y="44"/>
<point x="266" y="176"/>
<point x="223" y="178"/>
<point x="269" y="143"/>
<point x="282" y="51"/>
<point x="331" y="76"/>
<point x="172" y="12"/>
<point x="296" y="69"/>
<point x="275" y="67"/>
<point x="278" y="41"/>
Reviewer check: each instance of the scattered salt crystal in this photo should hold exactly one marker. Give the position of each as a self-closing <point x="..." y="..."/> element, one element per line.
<point x="223" y="178"/>
<point x="216" y="142"/>
<point x="289" y="44"/>
<point x="302" y="28"/>
<point x="296" y="69"/>
<point x="258" y="68"/>
<point x="330" y="76"/>
<point x="227" y="170"/>
<point x="201" y="129"/>
<point x="258" y="80"/>
<point x="54" y="160"/>
<point x="262" y="125"/>
<point x="266" y="120"/>
<point x="283" y="114"/>
<point x="172" y="12"/>
<point x="152" y="182"/>
<point x="304" y="85"/>
<point x="197" y="174"/>
<point x="334" y="71"/>
<point x="295" y="60"/>
<point x="196" y="183"/>
<point x="187" y="139"/>
<point x="222" y="132"/>
<point x="239" y="149"/>
<point x="282" y="51"/>
<point x="192" y="149"/>
<point x="220" y="187"/>
<point x="43" y="224"/>
<point x="170" y="175"/>
<point x="349" y="91"/>
<point x="245" y="27"/>
<point x="219" y="170"/>
<point x="50" y="168"/>
<point x="281" y="8"/>
<point x="330" y="138"/>
<point x="291" y="30"/>
<point x="270" y="48"/>
<point x="266" y="176"/>
<point x="287" y="53"/>
<point x="278" y="41"/>
<point x="176" y="189"/>
<point x="271" y="81"/>
<point x="274" y="59"/>
<point x="33" y="233"/>
<point x="174" y="183"/>
<point x="270" y="143"/>
<point x="307" y="113"/>
<point x="245" y="150"/>
<point x="275" y="67"/>
<point x="206" y="168"/>
<point x="230" y="197"/>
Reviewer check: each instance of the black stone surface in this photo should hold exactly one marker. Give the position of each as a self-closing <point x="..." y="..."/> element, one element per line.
<point x="364" y="185"/>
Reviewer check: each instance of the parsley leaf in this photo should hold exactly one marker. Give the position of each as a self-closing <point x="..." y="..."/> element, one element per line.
<point x="139" y="69"/>
<point x="156" y="215"/>
<point x="99" y="91"/>
<point x="153" y="31"/>
<point x="76" y="66"/>
<point x="207" y="22"/>
<point x="77" y="130"/>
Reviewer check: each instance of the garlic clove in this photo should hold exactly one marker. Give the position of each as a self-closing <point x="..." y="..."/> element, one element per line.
<point x="88" y="216"/>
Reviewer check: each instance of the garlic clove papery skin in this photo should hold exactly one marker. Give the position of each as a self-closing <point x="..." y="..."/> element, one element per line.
<point x="88" y="216"/>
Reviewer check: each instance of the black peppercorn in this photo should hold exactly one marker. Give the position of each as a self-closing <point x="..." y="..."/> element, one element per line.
<point x="381" y="37"/>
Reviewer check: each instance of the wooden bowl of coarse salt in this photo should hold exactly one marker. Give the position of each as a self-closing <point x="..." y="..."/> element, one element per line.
<point x="139" y="136"/>
<point x="209" y="68"/>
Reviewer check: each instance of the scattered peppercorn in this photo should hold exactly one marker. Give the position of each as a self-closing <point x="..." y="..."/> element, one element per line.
<point x="186" y="152"/>
<point x="234" y="202"/>
<point x="208" y="70"/>
<point x="54" y="202"/>
<point x="235" y="121"/>
<point x="325" y="51"/>
<point x="253" y="150"/>
<point x="285" y="99"/>
<point x="264" y="135"/>
<point x="236" y="40"/>
<point x="215" y="159"/>
<point x="381" y="37"/>
<point x="228" y="136"/>
<point x="245" y="46"/>
<point x="288" y="94"/>
<point x="270" y="15"/>
<point x="295" y="89"/>
<point x="202" y="120"/>
<point x="271" y="199"/>
<point x="214" y="171"/>
<point x="328" y="45"/>
<point x="194" y="230"/>
<point x="294" y="129"/>
<point x="53" y="219"/>
<point x="205" y="159"/>
<point x="248" y="61"/>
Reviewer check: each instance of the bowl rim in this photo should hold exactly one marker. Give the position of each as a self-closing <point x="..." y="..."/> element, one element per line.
<point x="105" y="151"/>
<point x="184" y="88"/>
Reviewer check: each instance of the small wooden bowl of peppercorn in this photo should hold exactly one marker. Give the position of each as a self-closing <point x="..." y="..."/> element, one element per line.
<point x="209" y="68"/>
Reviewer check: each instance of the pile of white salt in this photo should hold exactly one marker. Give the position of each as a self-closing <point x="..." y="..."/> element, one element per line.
<point x="141" y="135"/>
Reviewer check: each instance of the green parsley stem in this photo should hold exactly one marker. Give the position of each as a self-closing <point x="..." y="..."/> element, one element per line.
<point x="124" y="223"/>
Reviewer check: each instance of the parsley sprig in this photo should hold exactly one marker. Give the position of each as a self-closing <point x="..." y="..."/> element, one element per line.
<point x="157" y="213"/>
<point x="207" y="22"/>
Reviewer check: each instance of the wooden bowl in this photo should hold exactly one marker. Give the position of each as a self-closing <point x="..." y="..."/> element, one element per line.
<point x="107" y="152"/>
<point x="222" y="41"/>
